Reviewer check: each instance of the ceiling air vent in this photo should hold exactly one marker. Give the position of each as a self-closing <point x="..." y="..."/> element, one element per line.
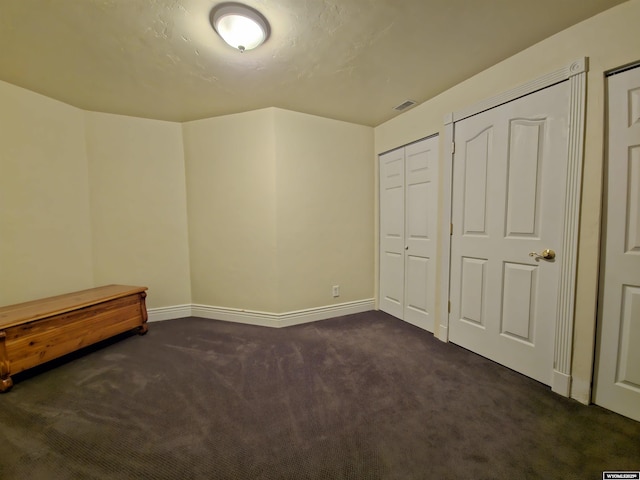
<point x="404" y="105"/>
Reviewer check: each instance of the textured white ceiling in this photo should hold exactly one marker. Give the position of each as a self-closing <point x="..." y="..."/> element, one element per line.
<point x="351" y="60"/>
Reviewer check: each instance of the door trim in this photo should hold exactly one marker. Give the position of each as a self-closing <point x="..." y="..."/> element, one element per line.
<point x="576" y="74"/>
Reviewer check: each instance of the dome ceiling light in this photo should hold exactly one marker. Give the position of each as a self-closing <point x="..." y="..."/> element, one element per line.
<point x="240" y="26"/>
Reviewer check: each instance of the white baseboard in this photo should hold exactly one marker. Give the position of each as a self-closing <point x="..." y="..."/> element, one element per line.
<point x="561" y="383"/>
<point x="249" y="317"/>
<point x="443" y="333"/>
<point x="168" y="313"/>
<point x="264" y="319"/>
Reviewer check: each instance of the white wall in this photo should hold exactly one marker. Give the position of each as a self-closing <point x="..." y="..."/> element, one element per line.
<point x="45" y="226"/>
<point x="609" y="40"/>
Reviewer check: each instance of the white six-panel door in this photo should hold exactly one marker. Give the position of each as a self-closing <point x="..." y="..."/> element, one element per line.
<point x="509" y="181"/>
<point x="408" y="232"/>
<point x="617" y="382"/>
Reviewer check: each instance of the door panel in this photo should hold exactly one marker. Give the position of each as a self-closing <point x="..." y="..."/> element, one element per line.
<point x="633" y="204"/>
<point x="418" y="270"/>
<point x="518" y="295"/>
<point x="509" y="176"/>
<point x="523" y="203"/>
<point x="617" y="380"/>
<point x="628" y="372"/>
<point x="473" y="288"/>
<point x="478" y="152"/>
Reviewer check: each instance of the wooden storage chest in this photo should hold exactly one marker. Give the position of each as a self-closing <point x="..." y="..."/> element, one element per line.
<point x="35" y="332"/>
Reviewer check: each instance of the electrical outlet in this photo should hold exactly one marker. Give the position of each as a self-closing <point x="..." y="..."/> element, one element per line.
<point x="336" y="290"/>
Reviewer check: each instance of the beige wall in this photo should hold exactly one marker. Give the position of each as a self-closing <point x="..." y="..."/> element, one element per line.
<point x="262" y="211"/>
<point x="325" y="198"/>
<point x="138" y="206"/>
<point x="280" y="209"/>
<point x="609" y="40"/>
<point x="88" y="199"/>
<point x="230" y="169"/>
<point x="45" y="229"/>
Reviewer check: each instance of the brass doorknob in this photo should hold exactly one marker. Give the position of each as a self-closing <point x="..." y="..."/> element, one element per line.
<point x="547" y="254"/>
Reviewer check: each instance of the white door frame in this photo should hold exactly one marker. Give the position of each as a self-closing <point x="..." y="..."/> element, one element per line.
<point x="575" y="73"/>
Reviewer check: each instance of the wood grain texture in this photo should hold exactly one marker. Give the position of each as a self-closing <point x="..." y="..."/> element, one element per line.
<point x="36" y="332"/>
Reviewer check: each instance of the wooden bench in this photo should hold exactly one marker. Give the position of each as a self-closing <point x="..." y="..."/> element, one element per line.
<point x="35" y="332"/>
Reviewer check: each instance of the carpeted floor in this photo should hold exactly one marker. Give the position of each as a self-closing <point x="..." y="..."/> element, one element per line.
<point x="359" y="397"/>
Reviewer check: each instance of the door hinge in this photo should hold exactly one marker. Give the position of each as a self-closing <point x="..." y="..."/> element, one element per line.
<point x="453" y="148"/>
<point x="451" y="229"/>
<point x="449" y="306"/>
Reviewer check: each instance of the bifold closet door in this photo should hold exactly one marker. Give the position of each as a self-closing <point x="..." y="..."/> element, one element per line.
<point x="617" y="381"/>
<point x="392" y="232"/>
<point x="408" y="229"/>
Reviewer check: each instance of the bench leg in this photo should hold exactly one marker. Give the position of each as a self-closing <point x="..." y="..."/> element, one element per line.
<point x="5" y="384"/>
<point x="143" y="314"/>
<point x="5" y="380"/>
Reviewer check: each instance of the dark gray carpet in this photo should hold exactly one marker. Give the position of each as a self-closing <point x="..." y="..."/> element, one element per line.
<point x="359" y="397"/>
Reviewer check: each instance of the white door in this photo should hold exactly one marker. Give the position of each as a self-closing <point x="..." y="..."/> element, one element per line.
<point x="421" y="212"/>
<point x="408" y="227"/>
<point x="392" y="232"/>
<point x="509" y="175"/>
<point x="617" y="385"/>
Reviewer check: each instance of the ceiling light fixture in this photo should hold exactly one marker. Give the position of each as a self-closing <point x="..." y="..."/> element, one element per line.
<point x="240" y="26"/>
